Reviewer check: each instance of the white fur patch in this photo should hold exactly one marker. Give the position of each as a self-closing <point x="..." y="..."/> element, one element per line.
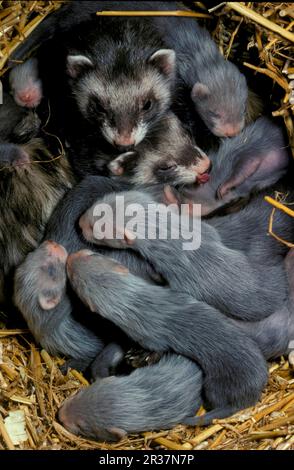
<point x="140" y="132"/>
<point x="108" y="133"/>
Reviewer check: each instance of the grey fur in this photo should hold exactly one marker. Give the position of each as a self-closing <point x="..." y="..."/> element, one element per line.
<point x="43" y="274"/>
<point x="107" y="360"/>
<point x="161" y="319"/>
<point x="242" y="291"/>
<point x="154" y="397"/>
<point x="62" y="332"/>
<point x="218" y="88"/>
<point x="255" y="159"/>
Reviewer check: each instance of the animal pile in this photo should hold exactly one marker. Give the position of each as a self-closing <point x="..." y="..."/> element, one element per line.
<point x="149" y="115"/>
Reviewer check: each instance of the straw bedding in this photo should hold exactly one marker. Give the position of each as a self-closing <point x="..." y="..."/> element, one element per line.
<point x="30" y="380"/>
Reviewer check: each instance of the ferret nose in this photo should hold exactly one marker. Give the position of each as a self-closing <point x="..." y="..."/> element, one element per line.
<point x="124" y="141"/>
<point x="30" y="97"/>
<point x="230" y="130"/>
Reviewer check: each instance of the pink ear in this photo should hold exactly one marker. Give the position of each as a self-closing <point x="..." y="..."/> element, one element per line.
<point x="199" y="90"/>
<point x="256" y="172"/>
<point x="238" y="177"/>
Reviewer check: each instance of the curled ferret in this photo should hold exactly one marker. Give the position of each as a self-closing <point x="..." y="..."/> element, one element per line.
<point x="216" y="86"/>
<point x="162" y="319"/>
<point x="154" y="397"/>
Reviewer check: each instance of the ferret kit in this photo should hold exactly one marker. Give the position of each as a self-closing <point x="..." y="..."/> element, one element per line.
<point x="138" y="157"/>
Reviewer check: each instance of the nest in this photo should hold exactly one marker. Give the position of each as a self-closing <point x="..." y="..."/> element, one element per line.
<point x="259" y="38"/>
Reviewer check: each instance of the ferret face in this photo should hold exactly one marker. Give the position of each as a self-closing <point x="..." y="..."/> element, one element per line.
<point x="25" y="84"/>
<point x="125" y="104"/>
<point x="47" y="269"/>
<point x="221" y="100"/>
<point x="193" y="167"/>
<point x="78" y="414"/>
<point x="188" y="165"/>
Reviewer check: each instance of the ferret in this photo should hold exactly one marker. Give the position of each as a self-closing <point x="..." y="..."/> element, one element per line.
<point x="112" y="88"/>
<point x="242" y="166"/>
<point x="28" y="191"/>
<point x="122" y="78"/>
<point x="162" y="319"/>
<point x="112" y="407"/>
<point x="40" y="295"/>
<point x="152" y="397"/>
<point x="216" y="86"/>
<point x="173" y="159"/>
<point x="219" y="275"/>
<point x="25" y="84"/>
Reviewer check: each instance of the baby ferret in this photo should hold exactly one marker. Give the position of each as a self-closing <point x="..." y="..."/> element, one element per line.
<point x="174" y="159"/>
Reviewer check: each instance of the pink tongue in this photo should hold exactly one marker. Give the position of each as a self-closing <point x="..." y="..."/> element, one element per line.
<point x="203" y="178"/>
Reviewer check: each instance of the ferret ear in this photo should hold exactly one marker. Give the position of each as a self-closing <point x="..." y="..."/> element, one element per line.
<point x="165" y="61"/>
<point x="75" y="63"/>
<point x="255" y="172"/>
<point x="199" y="91"/>
<point x="49" y="299"/>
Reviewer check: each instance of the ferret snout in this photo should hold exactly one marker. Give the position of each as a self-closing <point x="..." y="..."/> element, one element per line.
<point x="66" y="416"/>
<point x="228" y="130"/>
<point x="124" y="141"/>
<point x="30" y="97"/>
<point x="56" y="250"/>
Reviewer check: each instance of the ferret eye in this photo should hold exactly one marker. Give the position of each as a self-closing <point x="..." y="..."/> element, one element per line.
<point x="99" y="108"/>
<point x="96" y="106"/>
<point x="167" y="167"/>
<point x="147" y="105"/>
